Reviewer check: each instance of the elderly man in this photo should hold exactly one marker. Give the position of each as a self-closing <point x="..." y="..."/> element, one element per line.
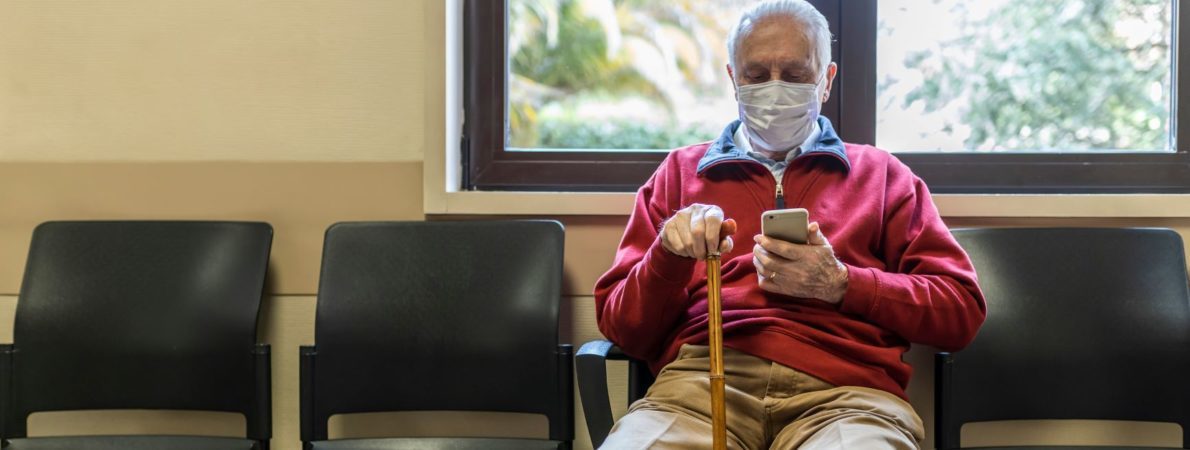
<point x="814" y="333"/>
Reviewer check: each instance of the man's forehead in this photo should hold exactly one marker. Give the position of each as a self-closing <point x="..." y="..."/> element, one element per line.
<point x="778" y="40"/>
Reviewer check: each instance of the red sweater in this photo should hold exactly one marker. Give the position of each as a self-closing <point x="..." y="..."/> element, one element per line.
<point x="909" y="281"/>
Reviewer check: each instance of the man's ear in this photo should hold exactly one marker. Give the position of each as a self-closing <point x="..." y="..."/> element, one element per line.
<point x="731" y="76"/>
<point x="831" y="71"/>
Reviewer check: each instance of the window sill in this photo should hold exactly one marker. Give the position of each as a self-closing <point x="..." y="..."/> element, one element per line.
<point x="951" y="205"/>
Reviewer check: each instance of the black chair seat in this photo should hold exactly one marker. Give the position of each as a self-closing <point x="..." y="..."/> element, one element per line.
<point x="140" y="316"/>
<point x="410" y="312"/>
<point x="131" y="443"/>
<point x="437" y="444"/>
<point x="1082" y="323"/>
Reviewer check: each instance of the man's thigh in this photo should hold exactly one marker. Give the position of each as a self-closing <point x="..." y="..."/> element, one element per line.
<point x="676" y="411"/>
<point x="851" y="418"/>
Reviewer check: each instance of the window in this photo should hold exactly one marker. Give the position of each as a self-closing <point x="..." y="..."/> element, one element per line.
<point x="1024" y="75"/>
<point x="990" y="96"/>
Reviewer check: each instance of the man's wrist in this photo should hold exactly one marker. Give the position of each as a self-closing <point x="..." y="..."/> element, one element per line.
<point x="841" y="282"/>
<point x="669" y="266"/>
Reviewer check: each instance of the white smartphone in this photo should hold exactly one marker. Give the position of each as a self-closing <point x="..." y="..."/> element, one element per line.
<point x="789" y="225"/>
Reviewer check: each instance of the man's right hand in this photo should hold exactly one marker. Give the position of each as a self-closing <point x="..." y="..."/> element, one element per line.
<point x="697" y="231"/>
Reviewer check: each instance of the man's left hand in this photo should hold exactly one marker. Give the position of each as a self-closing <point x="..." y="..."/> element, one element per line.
<point x="806" y="271"/>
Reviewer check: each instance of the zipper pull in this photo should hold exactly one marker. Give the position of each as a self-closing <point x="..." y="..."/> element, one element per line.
<point x="780" y="196"/>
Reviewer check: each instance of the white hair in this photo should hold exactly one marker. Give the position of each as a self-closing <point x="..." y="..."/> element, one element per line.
<point x="816" y="27"/>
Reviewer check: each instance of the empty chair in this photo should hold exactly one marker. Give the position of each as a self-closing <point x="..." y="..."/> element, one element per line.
<point x="439" y="316"/>
<point x="1089" y="324"/>
<point x="139" y="315"/>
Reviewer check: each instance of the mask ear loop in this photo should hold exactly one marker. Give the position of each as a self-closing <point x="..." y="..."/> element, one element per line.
<point x="817" y="84"/>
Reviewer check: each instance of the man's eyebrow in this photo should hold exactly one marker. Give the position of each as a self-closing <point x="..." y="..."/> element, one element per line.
<point x="800" y="69"/>
<point x="802" y="66"/>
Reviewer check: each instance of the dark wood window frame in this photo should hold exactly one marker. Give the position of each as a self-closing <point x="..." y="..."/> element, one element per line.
<point x="488" y="165"/>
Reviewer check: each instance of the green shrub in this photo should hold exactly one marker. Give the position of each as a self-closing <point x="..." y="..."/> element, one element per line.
<point x="620" y="134"/>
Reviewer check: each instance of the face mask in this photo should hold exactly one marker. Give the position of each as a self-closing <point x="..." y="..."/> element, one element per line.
<point x="778" y="116"/>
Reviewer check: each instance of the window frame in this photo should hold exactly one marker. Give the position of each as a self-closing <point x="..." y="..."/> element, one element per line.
<point x="489" y="166"/>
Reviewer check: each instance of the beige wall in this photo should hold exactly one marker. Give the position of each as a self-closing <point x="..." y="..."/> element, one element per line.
<point x="236" y="80"/>
<point x="300" y="113"/>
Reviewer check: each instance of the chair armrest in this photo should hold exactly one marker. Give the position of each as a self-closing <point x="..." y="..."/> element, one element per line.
<point x="563" y="430"/>
<point x="6" y="352"/>
<point x="591" y="362"/>
<point x="943" y="395"/>
<point x="261" y="429"/>
<point x="307" y="356"/>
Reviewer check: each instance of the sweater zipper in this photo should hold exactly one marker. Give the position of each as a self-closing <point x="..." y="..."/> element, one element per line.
<point x="780" y="195"/>
<point x="781" y="186"/>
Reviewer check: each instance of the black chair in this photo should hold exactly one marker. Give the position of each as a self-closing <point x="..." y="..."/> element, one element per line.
<point x="591" y="363"/>
<point x="139" y="315"/>
<point x="439" y="316"/>
<point x="1089" y="324"/>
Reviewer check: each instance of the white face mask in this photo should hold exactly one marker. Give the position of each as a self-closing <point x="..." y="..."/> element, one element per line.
<point x="778" y="116"/>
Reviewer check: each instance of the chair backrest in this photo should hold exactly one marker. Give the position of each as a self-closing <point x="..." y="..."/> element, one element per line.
<point x="458" y="316"/>
<point x="139" y="315"/>
<point x="1082" y="324"/>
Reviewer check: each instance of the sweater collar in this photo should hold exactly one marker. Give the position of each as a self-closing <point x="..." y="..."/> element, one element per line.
<point x="724" y="150"/>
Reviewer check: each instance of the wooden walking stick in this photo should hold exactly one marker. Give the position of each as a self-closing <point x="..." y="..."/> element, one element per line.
<point x="715" y="336"/>
<point x="715" y="321"/>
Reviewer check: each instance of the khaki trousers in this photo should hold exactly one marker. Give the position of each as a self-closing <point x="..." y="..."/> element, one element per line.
<point x="768" y="406"/>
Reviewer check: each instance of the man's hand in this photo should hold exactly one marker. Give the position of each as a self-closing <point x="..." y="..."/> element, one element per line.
<point x="806" y="271"/>
<point x="696" y="231"/>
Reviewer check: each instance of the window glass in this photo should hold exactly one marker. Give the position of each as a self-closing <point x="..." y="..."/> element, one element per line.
<point x="618" y="74"/>
<point x="1024" y="75"/>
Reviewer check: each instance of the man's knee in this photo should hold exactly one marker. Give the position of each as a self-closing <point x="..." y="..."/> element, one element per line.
<point x="853" y="429"/>
<point x="645" y="428"/>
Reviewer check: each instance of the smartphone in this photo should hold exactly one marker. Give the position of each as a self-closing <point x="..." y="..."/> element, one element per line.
<point x="789" y="225"/>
